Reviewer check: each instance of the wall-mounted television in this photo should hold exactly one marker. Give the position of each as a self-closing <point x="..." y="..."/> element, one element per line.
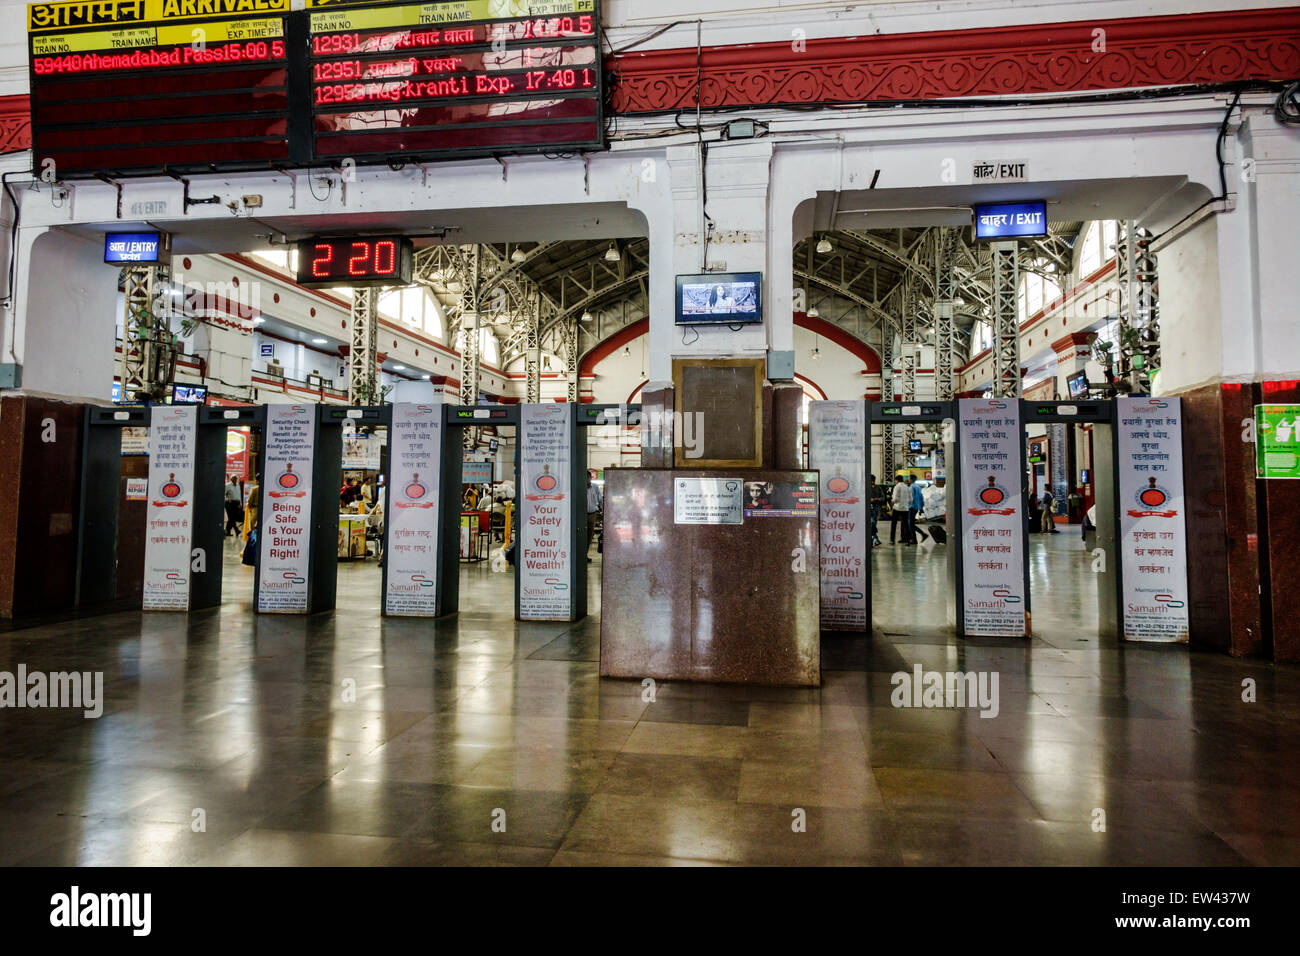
<point x="189" y="394"/>
<point x="730" y="298"/>
<point x="1078" y="385"/>
<point x="914" y="444"/>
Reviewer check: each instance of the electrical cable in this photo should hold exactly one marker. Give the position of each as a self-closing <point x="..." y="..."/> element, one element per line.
<point x="7" y="299"/>
<point x="1223" y="174"/>
<point x="1286" y="108"/>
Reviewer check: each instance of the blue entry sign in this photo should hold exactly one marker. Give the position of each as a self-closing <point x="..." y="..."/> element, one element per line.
<point x="131" y="247"/>
<point x="1015" y="220"/>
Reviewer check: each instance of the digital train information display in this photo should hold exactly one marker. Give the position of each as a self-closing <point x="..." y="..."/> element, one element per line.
<point x="134" y="86"/>
<point x="123" y="85"/>
<point x="469" y="76"/>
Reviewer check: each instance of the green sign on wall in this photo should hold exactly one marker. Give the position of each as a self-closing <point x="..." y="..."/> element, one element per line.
<point x="1277" y="441"/>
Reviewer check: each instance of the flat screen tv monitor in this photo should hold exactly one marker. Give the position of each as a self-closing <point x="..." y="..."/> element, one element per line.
<point x="1078" y="385"/>
<point x="731" y="298"/>
<point x="914" y="445"/>
<point x="189" y="394"/>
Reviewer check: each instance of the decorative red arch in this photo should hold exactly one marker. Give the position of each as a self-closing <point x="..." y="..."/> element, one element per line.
<point x="818" y="326"/>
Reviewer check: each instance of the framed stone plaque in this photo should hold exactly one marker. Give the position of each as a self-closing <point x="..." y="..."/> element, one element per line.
<point x="719" y="413"/>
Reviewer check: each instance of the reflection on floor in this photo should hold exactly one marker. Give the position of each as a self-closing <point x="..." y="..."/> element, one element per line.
<point x="253" y="722"/>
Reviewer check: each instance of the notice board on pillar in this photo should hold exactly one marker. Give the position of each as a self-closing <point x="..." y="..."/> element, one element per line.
<point x="284" y="539"/>
<point x="411" y="528"/>
<point x="170" y="524"/>
<point x="992" y="602"/>
<point x="1153" y="536"/>
<point x="545" y="555"/>
<point x="837" y="444"/>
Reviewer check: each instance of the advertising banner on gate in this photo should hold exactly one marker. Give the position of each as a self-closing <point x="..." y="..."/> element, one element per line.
<point x="837" y="445"/>
<point x="284" y="539"/>
<point x="411" y="525"/>
<point x="993" y="557"/>
<point x="545" y="556"/>
<point x="170" y="527"/>
<point x="1152" y="534"/>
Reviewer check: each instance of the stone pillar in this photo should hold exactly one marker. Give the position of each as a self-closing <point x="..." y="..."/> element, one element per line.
<point x="1228" y="342"/>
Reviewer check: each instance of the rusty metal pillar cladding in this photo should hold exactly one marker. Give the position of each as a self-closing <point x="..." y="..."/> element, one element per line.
<point x="945" y="331"/>
<point x="888" y="460"/>
<point x="533" y="349"/>
<point x="148" y="361"/>
<point x="363" y="367"/>
<point x="1006" y="324"/>
<point x="1139" y="312"/>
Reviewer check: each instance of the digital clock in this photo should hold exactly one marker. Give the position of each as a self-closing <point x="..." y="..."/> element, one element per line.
<point x="355" y="261"/>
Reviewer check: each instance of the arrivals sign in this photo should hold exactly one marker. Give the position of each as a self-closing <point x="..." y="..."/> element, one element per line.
<point x="284" y="539"/>
<point x="992" y="552"/>
<point x="1153" y="538"/>
<point x="545" y="556"/>
<point x="1277" y="441"/>
<point x="837" y="443"/>
<point x="170" y="521"/>
<point x="411" y="525"/>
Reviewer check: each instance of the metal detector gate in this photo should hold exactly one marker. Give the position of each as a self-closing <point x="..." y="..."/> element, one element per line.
<point x="924" y="413"/>
<point x="550" y="494"/>
<point x="98" y="534"/>
<point x="1100" y="415"/>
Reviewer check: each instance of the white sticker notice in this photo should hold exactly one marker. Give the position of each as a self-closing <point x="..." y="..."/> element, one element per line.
<point x="708" y="501"/>
<point x="993" y="533"/>
<point x="415" y="456"/>
<point x="545" y="512"/>
<point x="284" y="539"/>
<point x="170" y="528"/>
<point x="1153" y="534"/>
<point x="837" y="443"/>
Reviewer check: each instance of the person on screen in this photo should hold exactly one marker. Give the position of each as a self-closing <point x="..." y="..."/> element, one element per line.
<point x="721" y="301"/>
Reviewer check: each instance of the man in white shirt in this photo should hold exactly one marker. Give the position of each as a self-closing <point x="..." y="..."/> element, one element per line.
<point x="901" y="502"/>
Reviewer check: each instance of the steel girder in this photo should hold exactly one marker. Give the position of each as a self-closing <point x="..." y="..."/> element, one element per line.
<point x="1006" y="322"/>
<point x="363" y="358"/>
<point x="148" y="361"/>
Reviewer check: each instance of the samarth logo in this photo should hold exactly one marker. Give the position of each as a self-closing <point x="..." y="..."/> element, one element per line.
<point x="556" y="584"/>
<point x="293" y="577"/>
<point x="1006" y="596"/>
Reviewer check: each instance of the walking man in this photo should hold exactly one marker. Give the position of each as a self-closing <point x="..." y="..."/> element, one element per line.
<point x="916" y="509"/>
<point x="234" y="517"/>
<point x="900" y="501"/>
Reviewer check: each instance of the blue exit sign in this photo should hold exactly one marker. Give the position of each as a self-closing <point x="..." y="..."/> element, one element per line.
<point x="1014" y="220"/>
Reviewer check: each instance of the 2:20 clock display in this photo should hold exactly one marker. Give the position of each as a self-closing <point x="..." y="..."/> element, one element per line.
<point x="355" y="261"/>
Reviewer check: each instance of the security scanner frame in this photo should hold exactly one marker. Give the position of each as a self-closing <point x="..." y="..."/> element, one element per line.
<point x="923" y="413"/>
<point x="1100" y="414"/>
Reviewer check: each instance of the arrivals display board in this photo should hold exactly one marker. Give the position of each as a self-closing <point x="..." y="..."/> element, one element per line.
<point x="1153" y="537"/>
<point x="411" y="524"/>
<point x="284" y="538"/>
<point x="123" y="85"/>
<point x="837" y="444"/>
<point x="170" y="511"/>
<point x="139" y="86"/>
<point x="461" y="77"/>
<point x="544" y="557"/>
<point x="993" y="594"/>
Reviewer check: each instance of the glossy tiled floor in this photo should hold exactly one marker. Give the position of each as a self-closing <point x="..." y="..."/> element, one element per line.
<point x="459" y="723"/>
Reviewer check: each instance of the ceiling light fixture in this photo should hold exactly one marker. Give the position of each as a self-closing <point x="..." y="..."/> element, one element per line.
<point x="518" y="255"/>
<point x="320" y="341"/>
<point x="812" y="312"/>
<point x="612" y="254"/>
<point x="586" y="317"/>
<point x="399" y="368"/>
<point x="824" y="247"/>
